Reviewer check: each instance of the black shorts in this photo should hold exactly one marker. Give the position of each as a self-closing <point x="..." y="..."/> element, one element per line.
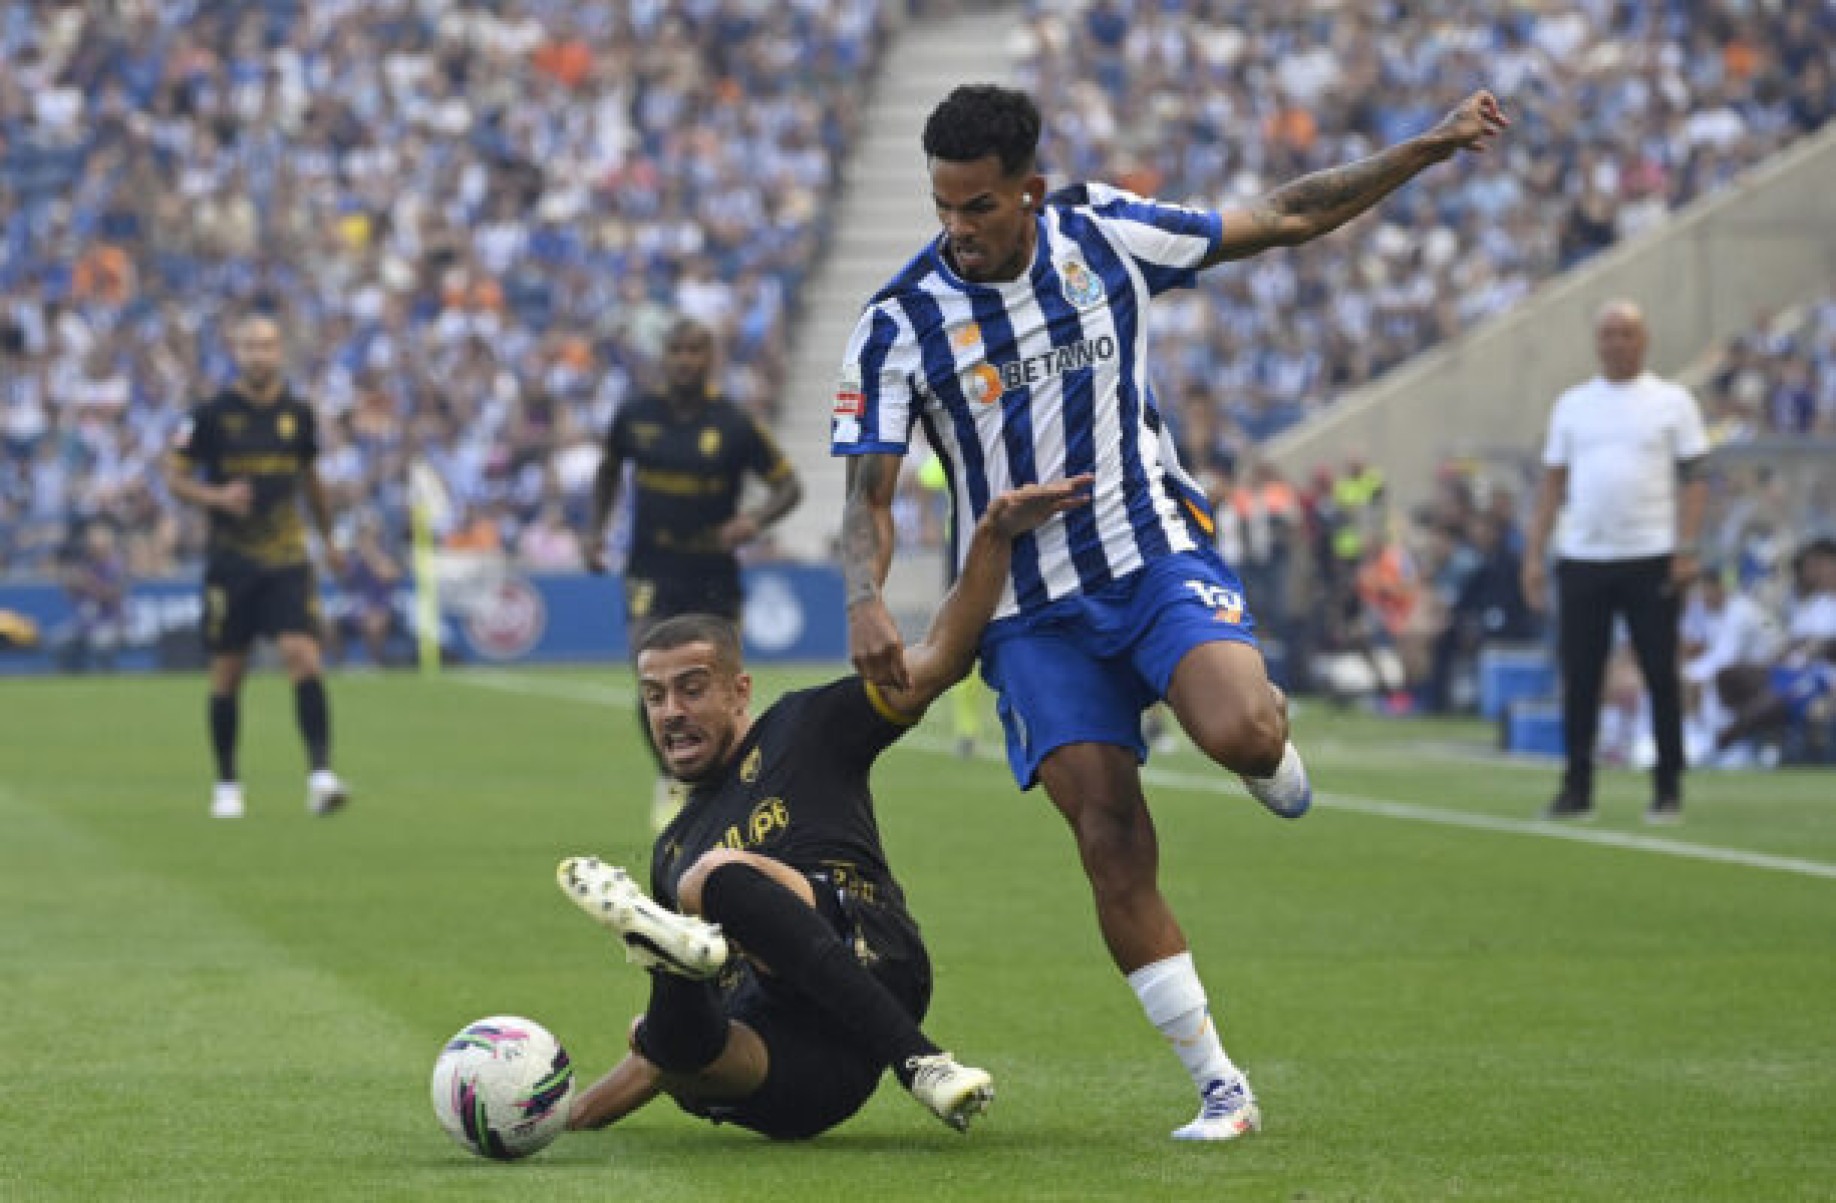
<point x="243" y="602"/>
<point x="654" y="593"/>
<point x="818" y="1077"/>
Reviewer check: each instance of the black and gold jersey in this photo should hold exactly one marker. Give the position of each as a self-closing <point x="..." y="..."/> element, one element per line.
<point x="687" y="475"/>
<point x="796" y="790"/>
<point x="271" y="445"/>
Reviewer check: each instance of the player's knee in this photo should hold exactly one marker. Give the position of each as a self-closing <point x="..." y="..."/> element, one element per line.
<point x="226" y="673"/>
<point x="1247" y="740"/>
<point x="300" y="655"/>
<point x="678" y="1048"/>
<point x="691" y="888"/>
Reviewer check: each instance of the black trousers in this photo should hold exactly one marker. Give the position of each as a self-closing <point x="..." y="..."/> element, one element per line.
<point x="1592" y="593"/>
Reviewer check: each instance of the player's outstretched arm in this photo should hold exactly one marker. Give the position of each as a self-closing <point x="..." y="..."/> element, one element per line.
<point x="948" y="650"/>
<point x="626" y="1087"/>
<point x="866" y="553"/>
<point x="1317" y="204"/>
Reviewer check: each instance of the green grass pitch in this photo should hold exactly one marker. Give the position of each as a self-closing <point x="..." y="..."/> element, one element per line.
<point x="1434" y="1000"/>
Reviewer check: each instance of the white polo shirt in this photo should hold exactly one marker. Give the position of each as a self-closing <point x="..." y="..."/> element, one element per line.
<point x="1621" y="442"/>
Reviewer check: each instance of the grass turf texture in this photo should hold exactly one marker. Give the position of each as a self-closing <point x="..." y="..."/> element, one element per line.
<point x="199" y="1009"/>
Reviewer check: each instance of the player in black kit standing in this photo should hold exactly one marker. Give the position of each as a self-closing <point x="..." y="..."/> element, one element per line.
<point x="786" y="973"/>
<point x="690" y="453"/>
<point x="246" y="456"/>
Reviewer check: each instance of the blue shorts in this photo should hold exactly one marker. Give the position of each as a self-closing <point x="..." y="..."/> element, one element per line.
<point x="1082" y="669"/>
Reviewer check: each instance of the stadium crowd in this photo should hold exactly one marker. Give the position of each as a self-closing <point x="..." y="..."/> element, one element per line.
<point x="1624" y="110"/>
<point x="1779" y="379"/>
<point x="478" y="219"/>
<point x="475" y="220"/>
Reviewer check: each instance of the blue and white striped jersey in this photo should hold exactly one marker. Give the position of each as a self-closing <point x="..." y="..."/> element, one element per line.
<point x="1040" y="378"/>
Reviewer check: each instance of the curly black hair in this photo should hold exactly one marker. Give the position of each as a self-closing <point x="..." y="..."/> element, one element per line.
<point x="977" y="120"/>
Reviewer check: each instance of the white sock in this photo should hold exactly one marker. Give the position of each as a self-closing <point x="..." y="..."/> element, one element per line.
<point x="1289" y="755"/>
<point x="1174" y="999"/>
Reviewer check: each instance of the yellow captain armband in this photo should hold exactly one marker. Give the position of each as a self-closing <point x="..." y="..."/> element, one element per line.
<point x="886" y="709"/>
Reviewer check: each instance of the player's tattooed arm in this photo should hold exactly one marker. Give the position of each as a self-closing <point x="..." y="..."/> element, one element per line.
<point x="1317" y="204"/>
<point x="874" y="645"/>
<point x="867" y="524"/>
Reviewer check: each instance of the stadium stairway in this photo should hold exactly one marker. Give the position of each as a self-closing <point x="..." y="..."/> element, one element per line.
<point x="882" y="217"/>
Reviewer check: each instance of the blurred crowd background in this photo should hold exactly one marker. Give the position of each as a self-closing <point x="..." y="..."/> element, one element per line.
<point x="1623" y="110"/>
<point x="476" y="221"/>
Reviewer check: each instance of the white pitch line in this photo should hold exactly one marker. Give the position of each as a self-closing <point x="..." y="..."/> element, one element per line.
<point x="547" y="687"/>
<point x="1547" y="830"/>
<point x="611" y="695"/>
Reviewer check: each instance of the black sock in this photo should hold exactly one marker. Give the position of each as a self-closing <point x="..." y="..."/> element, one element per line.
<point x="315" y="720"/>
<point x="773" y="924"/>
<point x="684" y="1028"/>
<point x="224" y="712"/>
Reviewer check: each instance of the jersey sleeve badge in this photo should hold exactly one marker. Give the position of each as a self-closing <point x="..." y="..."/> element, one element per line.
<point x="850" y="404"/>
<point x="850" y="401"/>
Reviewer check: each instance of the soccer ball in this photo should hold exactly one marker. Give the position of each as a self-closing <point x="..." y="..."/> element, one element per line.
<point x="502" y="1087"/>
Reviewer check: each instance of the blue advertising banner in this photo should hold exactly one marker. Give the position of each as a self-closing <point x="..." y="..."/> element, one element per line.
<point x="794" y="612"/>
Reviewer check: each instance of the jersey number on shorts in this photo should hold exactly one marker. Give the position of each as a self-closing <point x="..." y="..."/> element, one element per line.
<point x="1226" y="604"/>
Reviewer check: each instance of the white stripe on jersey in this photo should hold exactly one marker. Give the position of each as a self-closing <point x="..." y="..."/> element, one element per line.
<point x="1036" y="379"/>
<point x="1112" y="518"/>
<point x="955" y="310"/>
<point x="1051" y="542"/>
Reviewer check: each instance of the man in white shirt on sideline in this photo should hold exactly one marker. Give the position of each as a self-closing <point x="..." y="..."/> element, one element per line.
<point x="1626" y="454"/>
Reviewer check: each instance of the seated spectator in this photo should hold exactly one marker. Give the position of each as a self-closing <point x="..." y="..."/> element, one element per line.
<point x="368" y="611"/>
<point x="549" y="544"/>
<point x="1800" y="686"/>
<point x="1489" y="607"/>
<point x="95" y="579"/>
<point x="1722" y="629"/>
